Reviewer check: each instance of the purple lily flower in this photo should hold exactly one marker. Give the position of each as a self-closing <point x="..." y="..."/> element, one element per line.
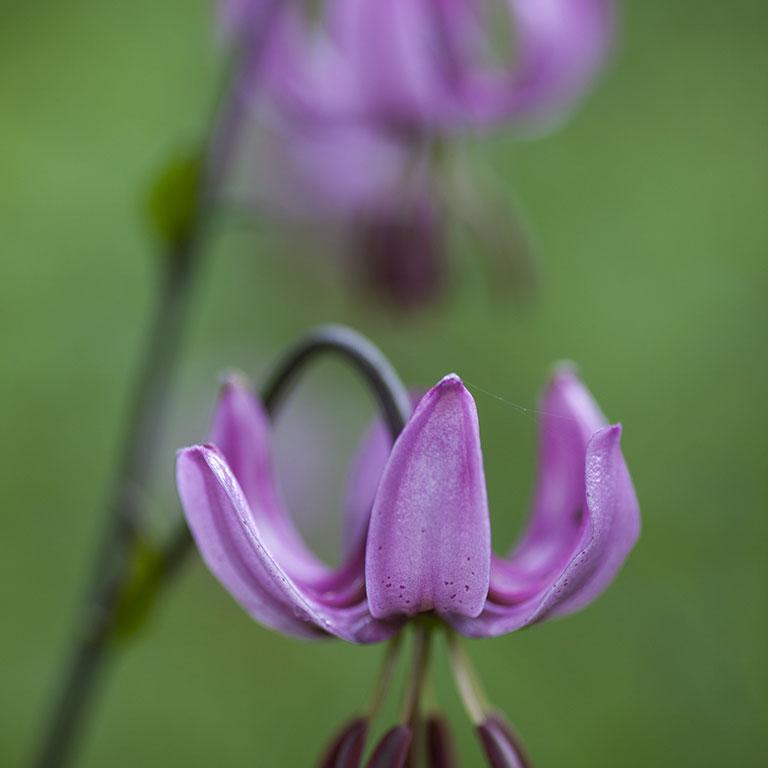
<point x="417" y="544"/>
<point x="426" y="65"/>
<point x="427" y="547"/>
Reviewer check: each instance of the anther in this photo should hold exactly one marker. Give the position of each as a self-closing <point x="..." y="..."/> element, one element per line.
<point x="501" y="744"/>
<point x="346" y="749"/>
<point x="392" y="750"/>
<point x="440" y="749"/>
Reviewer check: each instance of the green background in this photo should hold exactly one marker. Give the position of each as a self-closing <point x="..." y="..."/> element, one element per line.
<point x="648" y="209"/>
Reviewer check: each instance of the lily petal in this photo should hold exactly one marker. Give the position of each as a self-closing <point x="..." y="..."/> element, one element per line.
<point x="241" y="431"/>
<point x="569" y="418"/>
<point x="429" y="536"/>
<point x="364" y="476"/>
<point x="561" y="45"/>
<point x="230" y="540"/>
<point x="363" y="481"/>
<point x="609" y="528"/>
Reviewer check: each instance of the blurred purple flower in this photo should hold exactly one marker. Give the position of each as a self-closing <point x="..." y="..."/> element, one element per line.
<point x="348" y="105"/>
<point x="416" y="66"/>
<point x="417" y="528"/>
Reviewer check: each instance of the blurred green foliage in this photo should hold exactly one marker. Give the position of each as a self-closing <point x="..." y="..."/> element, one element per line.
<point x="648" y="211"/>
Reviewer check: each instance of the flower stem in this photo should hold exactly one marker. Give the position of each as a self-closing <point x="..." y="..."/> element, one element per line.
<point x="377" y="371"/>
<point x="124" y="510"/>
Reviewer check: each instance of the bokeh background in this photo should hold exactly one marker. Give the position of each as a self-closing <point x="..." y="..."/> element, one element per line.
<point x="648" y="210"/>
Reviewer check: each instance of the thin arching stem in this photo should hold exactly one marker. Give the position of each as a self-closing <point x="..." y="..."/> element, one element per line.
<point x="358" y="351"/>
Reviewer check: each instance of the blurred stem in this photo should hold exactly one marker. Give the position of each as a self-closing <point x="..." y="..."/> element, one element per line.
<point x="124" y="511"/>
<point x="149" y="404"/>
<point x="113" y="569"/>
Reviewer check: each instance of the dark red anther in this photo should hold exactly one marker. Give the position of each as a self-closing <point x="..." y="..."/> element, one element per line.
<point x="346" y="749"/>
<point x="401" y="255"/>
<point x="440" y="750"/>
<point x="392" y="750"/>
<point x="501" y="745"/>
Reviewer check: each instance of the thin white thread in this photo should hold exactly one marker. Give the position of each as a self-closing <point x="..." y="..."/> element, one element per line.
<point x="520" y="408"/>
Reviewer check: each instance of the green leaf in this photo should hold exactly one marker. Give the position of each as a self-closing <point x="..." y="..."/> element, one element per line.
<point x="139" y="591"/>
<point x="174" y="198"/>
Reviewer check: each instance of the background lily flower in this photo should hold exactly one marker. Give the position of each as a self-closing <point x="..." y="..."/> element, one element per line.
<point x="349" y="104"/>
<point x="417" y="66"/>
<point x="427" y="547"/>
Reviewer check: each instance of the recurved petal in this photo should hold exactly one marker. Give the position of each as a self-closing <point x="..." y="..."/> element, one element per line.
<point x="399" y="52"/>
<point x="429" y="535"/>
<point x="560" y="46"/>
<point x="231" y="543"/>
<point x="364" y="475"/>
<point x="241" y="431"/>
<point x="609" y="529"/>
<point x="568" y="419"/>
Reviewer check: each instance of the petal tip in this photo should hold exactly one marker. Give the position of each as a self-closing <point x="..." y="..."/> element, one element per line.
<point x="233" y="380"/>
<point x="449" y="381"/>
<point x="564" y="373"/>
<point x="189" y="450"/>
<point x="450" y="384"/>
<point x="612" y="433"/>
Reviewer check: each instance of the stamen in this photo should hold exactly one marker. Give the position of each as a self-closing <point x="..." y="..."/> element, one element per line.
<point x="501" y="745"/>
<point x="467" y="682"/>
<point x="421" y="649"/>
<point x="385" y="675"/>
<point x="346" y="749"/>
